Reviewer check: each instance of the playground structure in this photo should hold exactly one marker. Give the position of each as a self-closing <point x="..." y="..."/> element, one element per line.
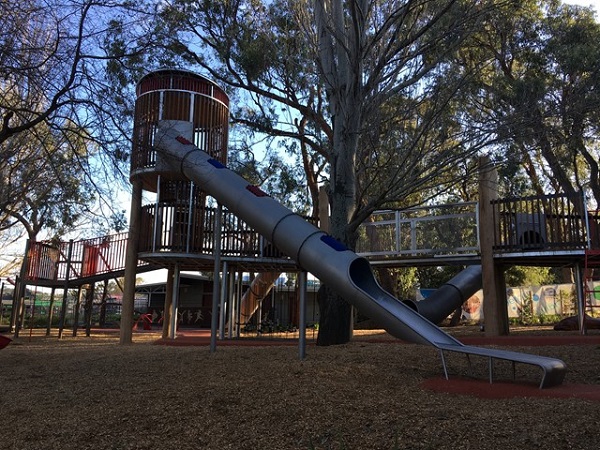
<point x="218" y="223"/>
<point x="328" y="259"/>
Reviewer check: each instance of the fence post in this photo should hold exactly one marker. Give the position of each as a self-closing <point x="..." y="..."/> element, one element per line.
<point x="63" y="308"/>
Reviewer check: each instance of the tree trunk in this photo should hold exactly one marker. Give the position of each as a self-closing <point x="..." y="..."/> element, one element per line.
<point x="341" y="66"/>
<point x="335" y="324"/>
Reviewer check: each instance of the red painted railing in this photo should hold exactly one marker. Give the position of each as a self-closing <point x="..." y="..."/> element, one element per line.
<point x="76" y="259"/>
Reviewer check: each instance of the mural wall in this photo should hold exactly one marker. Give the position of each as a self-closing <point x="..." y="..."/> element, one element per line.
<point x="530" y="303"/>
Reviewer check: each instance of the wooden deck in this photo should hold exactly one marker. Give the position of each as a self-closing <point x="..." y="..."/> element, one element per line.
<point x="547" y="230"/>
<point x="538" y="230"/>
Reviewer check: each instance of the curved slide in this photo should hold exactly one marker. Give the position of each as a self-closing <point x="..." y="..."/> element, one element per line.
<point x="450" y="296"/>
<point x="256" y="293"/>
<point x="318" y="253"/>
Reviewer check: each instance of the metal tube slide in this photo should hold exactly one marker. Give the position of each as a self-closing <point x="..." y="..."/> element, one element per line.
<point x="313" y="250"/>
<point x="450" y="296"/>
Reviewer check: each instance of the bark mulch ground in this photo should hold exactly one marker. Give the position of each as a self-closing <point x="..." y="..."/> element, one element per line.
<point x="373" y="393"/>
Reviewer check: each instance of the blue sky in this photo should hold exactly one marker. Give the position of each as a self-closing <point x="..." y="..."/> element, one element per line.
<point x="594" y="3"/>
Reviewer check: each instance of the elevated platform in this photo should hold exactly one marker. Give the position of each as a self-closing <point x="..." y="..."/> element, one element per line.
<point x="206" y="263"/>
<point x="533" y="231"/>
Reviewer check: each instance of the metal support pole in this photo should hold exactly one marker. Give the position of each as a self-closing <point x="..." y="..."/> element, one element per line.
<point x="76" y="312"/>
<point x="230" y="302"/>
<point x="63" y="308"/>
<point x="231" y="308"/>
<point x="1" y="303"/>
<point x="175" y="302"/>
<point x="302" y="324"/>
<point x="238" y="304"/>
<point x="397" y="233"/>
<point x="580" y="299"/>
<point x="215" y="294"/>
<point x="157" y="220"/>
<point x="89" y="306"/>
<point x="14" y="305"/>
<point x="224" y="285"/>
<point x="50" y="312"/>
<point x="258" y="316"/>
<point x="189" y="218"/>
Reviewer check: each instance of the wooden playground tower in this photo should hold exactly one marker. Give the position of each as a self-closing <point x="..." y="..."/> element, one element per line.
<point x="179" y="228"/>
<point x="182" y="229"/>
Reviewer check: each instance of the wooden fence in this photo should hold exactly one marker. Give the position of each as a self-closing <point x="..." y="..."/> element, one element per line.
<point x="543" y="223"/>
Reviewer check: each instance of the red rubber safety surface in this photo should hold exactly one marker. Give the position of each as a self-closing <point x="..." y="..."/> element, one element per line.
<point x="503" y="389"/>
<point x="4" y="341"/>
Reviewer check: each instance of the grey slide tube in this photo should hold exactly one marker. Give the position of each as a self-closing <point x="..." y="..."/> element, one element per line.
<point x="314" y="250"/>
<point x="323" y="256"/>
<point x="450" y="296"/>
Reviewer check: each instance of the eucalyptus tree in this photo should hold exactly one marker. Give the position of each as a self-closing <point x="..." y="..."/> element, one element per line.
<point x="41" y="188"/>
<point x="365" y="88"/>
<point x="62" y="143"/>
<point x="539" y="93"/>
<point x="53" y="57"/>
<point x="358" y="85"/>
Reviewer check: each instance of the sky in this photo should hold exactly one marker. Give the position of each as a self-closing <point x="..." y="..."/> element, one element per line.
<point x="593" y="3"/>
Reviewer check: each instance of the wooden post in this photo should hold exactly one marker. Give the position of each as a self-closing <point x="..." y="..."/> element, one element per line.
<point x="494" y="290"/>
<point x="579" y="282"/>
<point x="19" y="293"/>
<point x="89" y="306"/>
<point x="131" y="262"/>
<point x="174" y="302"/>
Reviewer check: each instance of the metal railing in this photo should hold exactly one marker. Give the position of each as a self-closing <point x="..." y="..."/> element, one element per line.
<point x="542" y="223"/>
<point x="430" y="230"/>
<point x="185" y="229"/>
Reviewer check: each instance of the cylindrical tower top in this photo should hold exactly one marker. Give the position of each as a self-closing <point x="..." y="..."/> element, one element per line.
<point x="180" y="80"/>
<point x="170" y="94"/>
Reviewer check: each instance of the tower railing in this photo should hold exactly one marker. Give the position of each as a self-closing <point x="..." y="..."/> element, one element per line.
<point x="184" y="229"/>
<point x="429" y="230"/>
<point x="556" y="222"/>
